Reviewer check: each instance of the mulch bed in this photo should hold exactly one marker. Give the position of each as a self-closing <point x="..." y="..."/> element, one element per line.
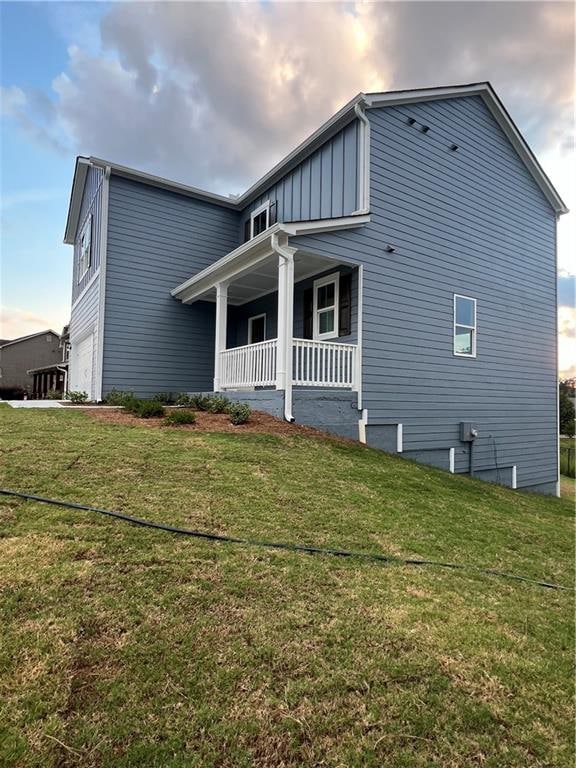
<point x="209" y="422"/>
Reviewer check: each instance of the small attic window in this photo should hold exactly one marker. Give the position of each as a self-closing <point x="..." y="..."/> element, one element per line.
<point x="260" y="219"/>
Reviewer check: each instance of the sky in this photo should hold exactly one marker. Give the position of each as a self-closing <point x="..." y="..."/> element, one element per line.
<point x="214" y="94"/>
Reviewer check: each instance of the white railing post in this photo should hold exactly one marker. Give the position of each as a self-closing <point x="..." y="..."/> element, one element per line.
<point x="220" y="335"/>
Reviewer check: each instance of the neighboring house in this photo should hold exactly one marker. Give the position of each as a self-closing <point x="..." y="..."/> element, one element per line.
<point x="393" y="279"/>
<point x="53" y="378"/>
<point x="19" y="356"/>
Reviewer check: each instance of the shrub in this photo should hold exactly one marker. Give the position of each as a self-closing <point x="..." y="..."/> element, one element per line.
<point x="217" y="404"/>
<point x="145" y="409"/>
<point x="117" y="397"/>
<point x="239" y="413"/>
<point x="176" y="418"/>
<point x="184" y="399"/>
<point x="166" y="398"/>
<point x="54" y="395"/>
<point x="78" y="397"/>
<point x="200" y="402"/>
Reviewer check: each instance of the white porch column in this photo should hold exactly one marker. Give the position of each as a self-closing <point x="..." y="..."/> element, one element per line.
<point x="221" y="325"/>
<point x="285" y="323"/>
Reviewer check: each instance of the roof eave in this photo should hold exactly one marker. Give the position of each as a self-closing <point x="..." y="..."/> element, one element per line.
<point x="80" y="173"/>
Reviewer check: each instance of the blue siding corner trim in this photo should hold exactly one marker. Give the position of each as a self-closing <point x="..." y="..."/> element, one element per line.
<point x="156" y="240"/>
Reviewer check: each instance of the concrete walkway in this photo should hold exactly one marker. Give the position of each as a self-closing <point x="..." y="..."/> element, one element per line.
<point x="33" y="403"/>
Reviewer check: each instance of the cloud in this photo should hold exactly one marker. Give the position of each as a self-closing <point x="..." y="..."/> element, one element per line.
<point x="210" y="94"/>
<point x="16" y="322"/>
<point x="525" y="49"/>
<point x="214" y="94"/>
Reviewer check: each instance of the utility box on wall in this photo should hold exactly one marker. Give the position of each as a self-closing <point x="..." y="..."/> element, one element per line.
<point x="468" y="431"/>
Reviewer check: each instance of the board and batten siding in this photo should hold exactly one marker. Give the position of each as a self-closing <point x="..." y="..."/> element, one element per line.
<point x="323" y="186"/>
<point x="156" y="240"/>
<point x="91" y="206"/>
<point x="473" y="222"/>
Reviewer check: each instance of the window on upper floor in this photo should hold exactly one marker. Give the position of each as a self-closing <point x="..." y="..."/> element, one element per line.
<point x="325" y="316"/>
<point x="260" y="219"/>
<point x="464" y="326"/>
<point x="85" y="256"/>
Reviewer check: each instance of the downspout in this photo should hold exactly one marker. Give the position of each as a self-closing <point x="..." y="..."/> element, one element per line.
<point x="363" y="160"/>
<point x="287" y="255"/>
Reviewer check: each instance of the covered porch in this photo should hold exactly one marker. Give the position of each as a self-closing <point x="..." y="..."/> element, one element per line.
<point x="284" y="317"/>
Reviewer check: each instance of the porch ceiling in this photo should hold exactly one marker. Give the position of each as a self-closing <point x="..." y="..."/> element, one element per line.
<point x="263" y="278"/>
<point x="251" y="270"/>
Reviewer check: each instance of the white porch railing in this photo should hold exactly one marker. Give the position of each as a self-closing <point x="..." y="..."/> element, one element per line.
<point x="314" y="364"/>
<point x="253" y="365"/>
<point x="324" y="364"/>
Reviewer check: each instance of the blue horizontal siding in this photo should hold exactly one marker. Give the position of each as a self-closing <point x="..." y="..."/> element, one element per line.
<point x="156" y="240"/>
<point x="472" y="222"/>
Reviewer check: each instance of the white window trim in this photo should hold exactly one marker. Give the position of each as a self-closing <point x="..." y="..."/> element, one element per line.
<point x="86" y="228"/>
<point x="472" y="328"/>
<point x="322" y="281"/>
<point x="256" y="212"/>
<point x="250" y="321"/>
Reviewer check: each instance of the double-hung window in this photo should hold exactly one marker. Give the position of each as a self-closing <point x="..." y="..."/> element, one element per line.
<point x="85" y="256"/>
<point x="464" y="326"/>
<point x="326" y="307"/>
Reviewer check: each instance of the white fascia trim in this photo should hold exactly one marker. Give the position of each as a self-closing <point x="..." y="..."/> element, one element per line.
<point x="160" y="181"/>
<point x="499" y="112"/>
<point x="250" y="253"/>
<point x="80" y="173"/>
<point x="325" y="225"/>
<point x="102" y="287"/>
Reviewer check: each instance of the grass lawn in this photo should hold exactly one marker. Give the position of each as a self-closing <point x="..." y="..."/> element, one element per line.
<point x="122" y="646"/>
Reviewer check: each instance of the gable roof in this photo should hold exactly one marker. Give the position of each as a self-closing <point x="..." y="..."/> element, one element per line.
<point x="340" y="119"/>
<point x="30" y="336"/>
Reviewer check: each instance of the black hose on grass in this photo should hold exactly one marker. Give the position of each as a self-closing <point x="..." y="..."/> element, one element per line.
<point x="311" y="550"/>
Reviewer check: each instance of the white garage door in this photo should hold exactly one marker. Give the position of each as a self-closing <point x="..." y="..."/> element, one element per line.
<point x="82" y="378"/>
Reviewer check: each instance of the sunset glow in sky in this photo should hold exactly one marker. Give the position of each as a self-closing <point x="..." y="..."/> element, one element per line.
<point x="213" y="94"/>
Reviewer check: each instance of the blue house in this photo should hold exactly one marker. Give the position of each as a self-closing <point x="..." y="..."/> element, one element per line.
<point x="393" y="279"/>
